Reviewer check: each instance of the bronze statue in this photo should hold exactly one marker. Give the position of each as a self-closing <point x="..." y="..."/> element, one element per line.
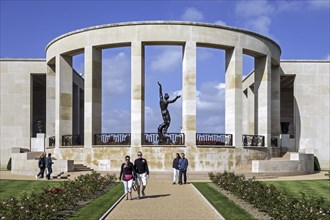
<point x="163" y="103"/>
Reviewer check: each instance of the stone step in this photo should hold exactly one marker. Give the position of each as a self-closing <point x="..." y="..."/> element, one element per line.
<point x="81" y="167"/>
<point x="61" y="175"/>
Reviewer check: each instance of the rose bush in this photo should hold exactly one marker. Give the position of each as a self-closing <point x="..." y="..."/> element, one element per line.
<point x="267" y="198"/>
<point x="51" y="202"/>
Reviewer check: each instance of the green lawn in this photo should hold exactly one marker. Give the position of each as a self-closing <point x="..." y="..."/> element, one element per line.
<point x="18" y="187"/>
<point x="227" y="208"/>
<point x="93" y="210"/>
<point x="96" y="208"/>
<point x="315" y="188"/>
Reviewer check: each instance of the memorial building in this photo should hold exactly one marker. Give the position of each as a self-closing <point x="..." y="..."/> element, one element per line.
<point x="281" y="108"/>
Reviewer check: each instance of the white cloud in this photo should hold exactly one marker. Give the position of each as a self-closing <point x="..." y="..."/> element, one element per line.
<point x="211" y="107"/>
<point x="221" y="86"/>
<point x="116" y="71"/>
<point x="192" y="14"/>
<point x="320" y="4"/>
<point x="260" y="24"/>
<point x="115" y="86"/>
<point x="177" y="92"/>
<point x="220" y="22"/>
<point x="256" y="15"/>
<point x="203" y="55"/>
<point x="253" y="8"/>
<point x="282" y="6"/>
<point x="116" y="121"/>
<point x="167" y="60"/>
<point x="115" y="90"/>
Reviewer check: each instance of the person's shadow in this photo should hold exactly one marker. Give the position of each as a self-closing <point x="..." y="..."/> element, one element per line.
<point x="155" y="196"/>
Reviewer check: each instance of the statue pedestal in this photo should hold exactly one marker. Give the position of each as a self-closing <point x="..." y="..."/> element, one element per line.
<point x="287" y="144"/>
<point x="38" y="143"/>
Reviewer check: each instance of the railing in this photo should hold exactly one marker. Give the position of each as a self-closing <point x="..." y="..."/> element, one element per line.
<point x="72" y="140"/>
<point x="214" y="139"/>
<point x="51" y="141"/>
<point x="112" y="139"/>
<point x="253" y="140"/>
<point x="169" y="139"/>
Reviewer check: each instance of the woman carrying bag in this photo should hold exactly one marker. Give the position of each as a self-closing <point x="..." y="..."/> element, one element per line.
<point x="126" y="175"/>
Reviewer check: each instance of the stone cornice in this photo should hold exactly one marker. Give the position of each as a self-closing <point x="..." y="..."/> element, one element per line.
<point x="162" y="23"/>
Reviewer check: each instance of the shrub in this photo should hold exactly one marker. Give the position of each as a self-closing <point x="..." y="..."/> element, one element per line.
<point x="267" y="198"/>
<point x="52" y="201"/>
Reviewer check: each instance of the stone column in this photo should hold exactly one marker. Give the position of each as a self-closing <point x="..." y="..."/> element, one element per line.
<point x="63" y="98"/>
<point x="93" y="94"/>
<point x="251" y="110"/>
<point x="262" y="92"/>
<point x="234" y="94"/>
<point x="50" y="102"/>
<point x="76" y="110"/>
<point x="245" y="111"/>
<point x="137" y="95"/>
<point x="189" y="93"/>
<point x="276" y="102"/>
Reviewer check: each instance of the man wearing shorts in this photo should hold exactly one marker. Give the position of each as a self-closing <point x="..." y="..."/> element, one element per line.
<point x="142" y="173"/>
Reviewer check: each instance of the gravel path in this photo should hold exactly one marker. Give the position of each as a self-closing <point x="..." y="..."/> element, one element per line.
<point x="164" y="201"/>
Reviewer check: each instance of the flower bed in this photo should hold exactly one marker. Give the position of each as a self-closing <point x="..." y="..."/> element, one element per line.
<point x="55" y="202"/>
<point x="279" y="205"/>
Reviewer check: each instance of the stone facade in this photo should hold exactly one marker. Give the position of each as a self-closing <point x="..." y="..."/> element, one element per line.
<point x="262" y="117"/>
<point x="304" y="103"/>
<point x="15" y="96"/>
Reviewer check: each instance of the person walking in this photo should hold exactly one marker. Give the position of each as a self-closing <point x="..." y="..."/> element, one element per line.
<point x="176" y="167"/>
<point x="183" y="165"/>
<point x="142" y="173"/>
<point x="127" y="172"/>
<point x="41" y="165"/>
<point x="49" y="164"/>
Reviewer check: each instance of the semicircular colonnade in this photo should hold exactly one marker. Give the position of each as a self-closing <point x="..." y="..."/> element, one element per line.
<point x="189" y="35"/>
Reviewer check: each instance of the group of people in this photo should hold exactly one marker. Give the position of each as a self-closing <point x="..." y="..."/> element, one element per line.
<point x="180" y="165"/>
<point x="139" y="173"/>
<point x="43" y="163"/>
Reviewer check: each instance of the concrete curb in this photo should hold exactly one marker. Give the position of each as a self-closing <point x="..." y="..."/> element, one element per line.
<point x="112" y="207"/>
<point x="208" y="203"/>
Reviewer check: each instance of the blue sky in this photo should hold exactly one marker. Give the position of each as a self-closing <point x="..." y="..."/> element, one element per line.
<point x="301" y="28"/>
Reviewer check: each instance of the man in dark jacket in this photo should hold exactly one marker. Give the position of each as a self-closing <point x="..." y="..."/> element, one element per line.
<point x="183" y="163"/>
<point x="49" y="163"/>
<point x="42" y="166"/>
<point x="176" y="167"/>
<point x="142" y="173"/>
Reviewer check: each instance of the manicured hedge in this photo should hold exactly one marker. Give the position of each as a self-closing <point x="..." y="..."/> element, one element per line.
<point x="54" y="202"/>
<point x="267" y="198"/>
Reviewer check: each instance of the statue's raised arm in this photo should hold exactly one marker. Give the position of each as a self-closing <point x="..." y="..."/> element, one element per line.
<point x="172" y="101"/>
<point x="160" y="91"/>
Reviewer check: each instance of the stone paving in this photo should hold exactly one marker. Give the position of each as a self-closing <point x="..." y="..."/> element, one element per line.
<point x="165" y="201"/>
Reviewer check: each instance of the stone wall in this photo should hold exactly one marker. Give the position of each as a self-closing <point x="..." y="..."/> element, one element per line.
<point x="311" y="106"/>
<point x="27" y="164"/>
<point x="15" y="96"/>
<point x="110" y="158"/>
